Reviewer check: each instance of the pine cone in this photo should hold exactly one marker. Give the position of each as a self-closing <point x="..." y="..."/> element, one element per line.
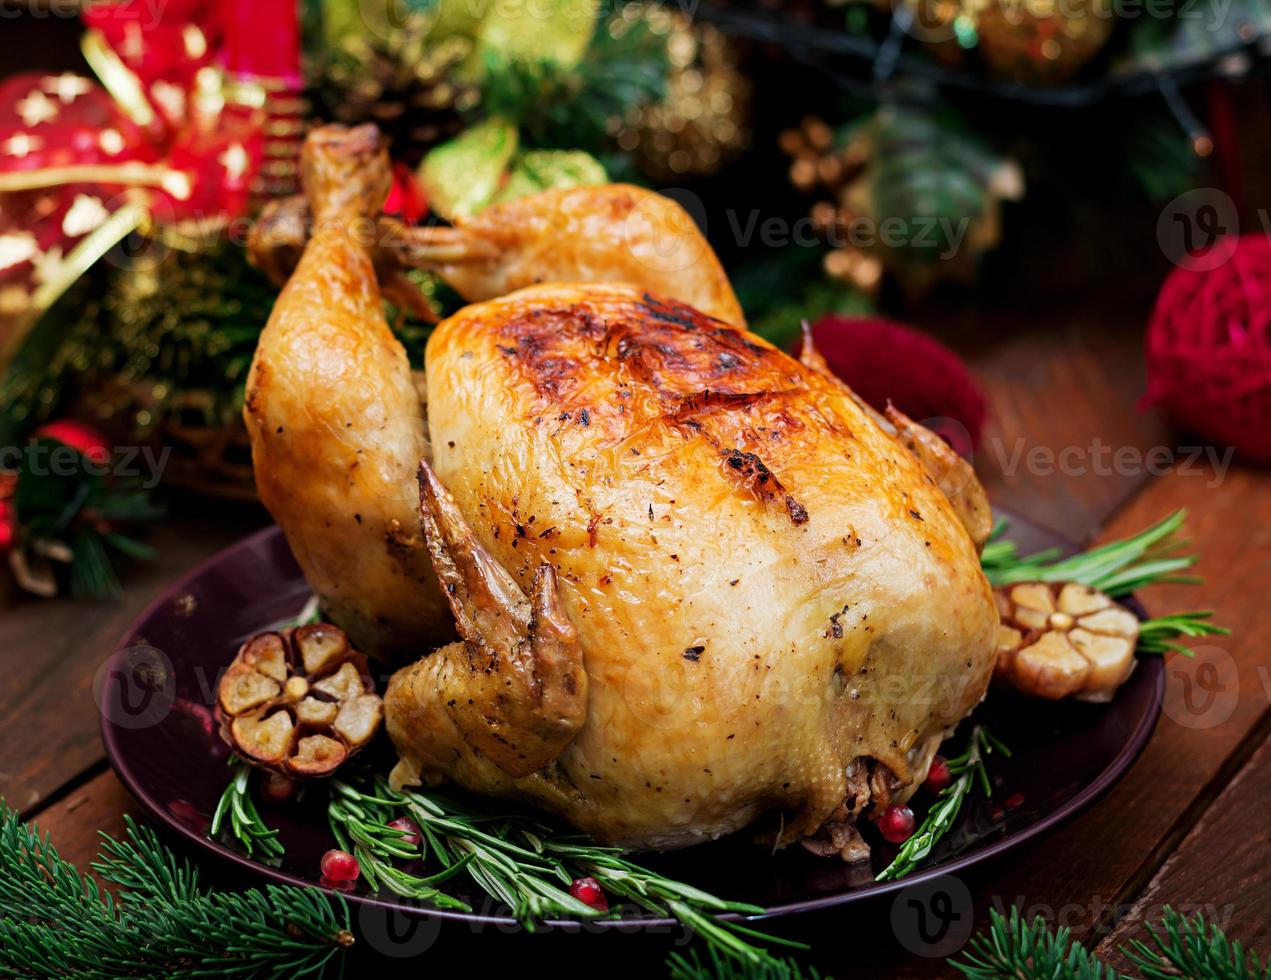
<point x="407" y="87"/>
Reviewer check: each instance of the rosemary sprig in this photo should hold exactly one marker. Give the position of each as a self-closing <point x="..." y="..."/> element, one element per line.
<point x="967" y="768"/>
<point x="1157" y="635"/>
<point x="245" y="823"/>
<point x="522" y="862"/>
<point x="1117" y="568"/>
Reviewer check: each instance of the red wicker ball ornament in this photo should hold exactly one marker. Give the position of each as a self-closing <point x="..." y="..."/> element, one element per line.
<point x="1209" y="349"/>
<point x="886" y="362"/>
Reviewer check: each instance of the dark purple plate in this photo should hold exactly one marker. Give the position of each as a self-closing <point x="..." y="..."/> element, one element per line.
<point x="160" y="736"/>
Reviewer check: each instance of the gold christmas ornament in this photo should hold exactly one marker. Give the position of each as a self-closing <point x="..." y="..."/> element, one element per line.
<point x="1035" y="42"/>
<point x="702" y="122"/>
<point x="1043" y="42"/>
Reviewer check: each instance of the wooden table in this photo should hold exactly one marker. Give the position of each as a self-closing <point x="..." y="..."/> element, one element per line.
<point x="1185" y="827"/>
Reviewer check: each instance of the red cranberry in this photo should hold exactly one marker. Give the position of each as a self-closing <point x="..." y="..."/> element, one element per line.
<point x="938" y="776"/>
<point x="589" y="892"/>
<point x="340" y="866"/>
<point x="409" y="829"/>
<point x="896" y="824"/>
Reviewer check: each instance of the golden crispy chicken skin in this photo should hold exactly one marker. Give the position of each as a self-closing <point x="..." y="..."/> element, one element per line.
<point x="335" y="420"/>
<point x="766" y="587"/>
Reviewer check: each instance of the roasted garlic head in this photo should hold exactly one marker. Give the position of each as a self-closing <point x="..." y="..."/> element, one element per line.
<point x="299" y="701"/>
<point x="1063" y="639"/>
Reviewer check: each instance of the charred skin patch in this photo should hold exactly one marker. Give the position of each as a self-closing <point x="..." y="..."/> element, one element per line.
<point x="699" y="371"/>
<point x="750" y="472"/>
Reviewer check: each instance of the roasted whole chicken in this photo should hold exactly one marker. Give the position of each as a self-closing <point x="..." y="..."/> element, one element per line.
<point x="693" y="579"/>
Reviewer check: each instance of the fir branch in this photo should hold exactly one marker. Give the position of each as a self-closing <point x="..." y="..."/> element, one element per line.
<point x="1028" y="950"/>
<point x="245" y="823"/>
<point x="1117" y="568"/>
<point x="968" y="768"/>
<point x="569" y="108"/>
<point x="55" y="922"/>
<point x="1193" y="948"/>
<point x="1180" y="947"/>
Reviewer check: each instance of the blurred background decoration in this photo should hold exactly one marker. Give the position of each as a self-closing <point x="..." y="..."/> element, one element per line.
<point x="131" y="168"/>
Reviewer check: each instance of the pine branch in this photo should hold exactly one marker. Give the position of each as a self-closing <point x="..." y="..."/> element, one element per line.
<point x="1028" y="951"/>
<point x="55" y="922"/>
<point x="1180" y="947"/>
<point x="968" y="768"/>
<point x="1193" y="948"/>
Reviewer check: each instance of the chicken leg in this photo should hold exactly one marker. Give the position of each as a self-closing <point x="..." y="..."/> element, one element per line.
<point x="335" y="420"/>
<point x="513" y="693"/>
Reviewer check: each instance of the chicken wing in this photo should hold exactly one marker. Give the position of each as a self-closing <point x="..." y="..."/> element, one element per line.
<point x="604" y="233"/>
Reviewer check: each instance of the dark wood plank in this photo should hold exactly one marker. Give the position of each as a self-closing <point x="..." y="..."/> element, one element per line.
<point x="53" y="648"/>
<point x="73" y="822"/>
<point x="1062" y="397"/>
<point x="1222" y="869"/>
<point x="1102" y="861"/>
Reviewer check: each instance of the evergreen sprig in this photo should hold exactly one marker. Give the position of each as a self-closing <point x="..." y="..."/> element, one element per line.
<point x="1193" y="948"/>
<point x="1011" y="947"/>
<point x="1179" y="947"/>
<point x="968" y="769"/>
<point x="570" y="108"/>
<point x="56" y="922"/>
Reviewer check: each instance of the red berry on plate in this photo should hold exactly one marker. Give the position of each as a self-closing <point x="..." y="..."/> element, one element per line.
<point x="938" y="776"/>
<point x="589" y="892"/>
<point x="408" y="827"/>
<point x="896" y="824"/>
<point x="340" y="866"/>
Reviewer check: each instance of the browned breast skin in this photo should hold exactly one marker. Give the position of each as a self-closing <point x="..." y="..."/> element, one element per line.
<point x="335" y="421"/>
<point x="764" y="584"/>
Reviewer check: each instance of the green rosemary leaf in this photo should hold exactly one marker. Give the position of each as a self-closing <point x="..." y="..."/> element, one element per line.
<point x="968" y="768"/>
